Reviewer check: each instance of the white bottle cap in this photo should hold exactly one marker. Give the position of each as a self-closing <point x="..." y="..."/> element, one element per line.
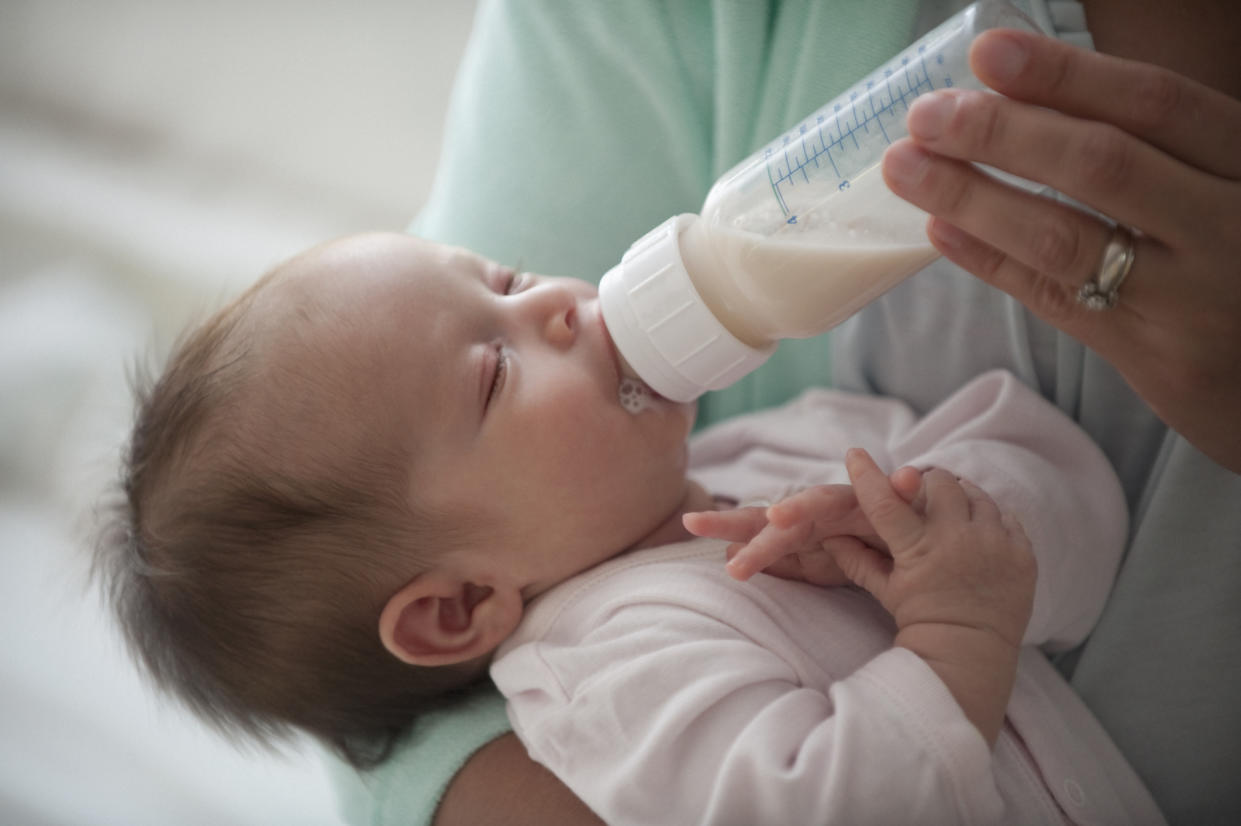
<point x="661" y="325"/>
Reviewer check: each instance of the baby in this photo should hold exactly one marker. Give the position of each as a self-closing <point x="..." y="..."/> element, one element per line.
<point x="389" y="460"/>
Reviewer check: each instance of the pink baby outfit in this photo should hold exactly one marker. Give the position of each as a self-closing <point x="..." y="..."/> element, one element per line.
<point x="660" y="690"/>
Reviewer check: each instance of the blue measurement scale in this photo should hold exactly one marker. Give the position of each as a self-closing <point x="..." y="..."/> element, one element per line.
<point x="848" y="136"/>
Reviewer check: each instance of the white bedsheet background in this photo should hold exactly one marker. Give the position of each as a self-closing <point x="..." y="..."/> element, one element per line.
<point x="154" y="157"/>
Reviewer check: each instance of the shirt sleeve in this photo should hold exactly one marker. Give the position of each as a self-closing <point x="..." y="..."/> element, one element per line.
<point x="662" y="714"/>
<point x="405" y="790"/>
<point x="1040" y="466"/>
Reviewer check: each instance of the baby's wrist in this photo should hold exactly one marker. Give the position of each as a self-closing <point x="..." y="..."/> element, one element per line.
<point x="977" y="664"/>
<point x="956" y="643"/>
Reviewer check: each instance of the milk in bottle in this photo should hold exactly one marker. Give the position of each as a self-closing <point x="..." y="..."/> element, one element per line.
<point x="794" y="239"/>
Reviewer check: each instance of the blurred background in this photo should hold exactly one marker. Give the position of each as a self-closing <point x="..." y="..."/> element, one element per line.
<point x="155" y="157"/>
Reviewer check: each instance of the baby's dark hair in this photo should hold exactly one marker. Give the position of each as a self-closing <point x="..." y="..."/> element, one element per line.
<point x="249" y="585"/>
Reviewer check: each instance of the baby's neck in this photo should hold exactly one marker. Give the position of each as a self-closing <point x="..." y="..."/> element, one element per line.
<point x="671" y="530"/>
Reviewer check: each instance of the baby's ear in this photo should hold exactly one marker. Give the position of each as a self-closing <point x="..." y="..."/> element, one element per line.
<point x="439" y="619"/>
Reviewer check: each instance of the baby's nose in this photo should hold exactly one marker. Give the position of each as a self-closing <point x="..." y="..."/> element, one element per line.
<point x="555" y="306"/>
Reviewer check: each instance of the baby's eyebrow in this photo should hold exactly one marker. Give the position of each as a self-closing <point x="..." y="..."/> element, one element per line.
<point x="483" y="269"/>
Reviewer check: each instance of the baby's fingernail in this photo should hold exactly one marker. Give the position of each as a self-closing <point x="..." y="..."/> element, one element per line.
<point x="1000" y="56"/>
<point x="929" y="115"/>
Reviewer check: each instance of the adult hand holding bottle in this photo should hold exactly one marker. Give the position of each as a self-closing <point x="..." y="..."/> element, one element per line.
<point x="1150" y="149"/>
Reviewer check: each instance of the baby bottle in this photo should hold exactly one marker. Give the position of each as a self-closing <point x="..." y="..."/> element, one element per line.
<point x="794" y="239"/>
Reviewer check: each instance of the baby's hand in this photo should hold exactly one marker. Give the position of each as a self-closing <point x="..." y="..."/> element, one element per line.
<point x="959" y="562"/>
<point x="958" y="579"/>
<point x="794" y="538"/>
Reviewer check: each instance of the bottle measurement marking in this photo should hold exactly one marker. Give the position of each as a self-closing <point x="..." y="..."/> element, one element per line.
<point x="801" y="150"/>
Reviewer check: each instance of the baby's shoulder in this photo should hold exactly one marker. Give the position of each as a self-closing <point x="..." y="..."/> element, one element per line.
<point x="682" y="576"/>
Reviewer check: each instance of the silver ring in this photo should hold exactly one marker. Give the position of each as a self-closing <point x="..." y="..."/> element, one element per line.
<point x="1100" y="292"/>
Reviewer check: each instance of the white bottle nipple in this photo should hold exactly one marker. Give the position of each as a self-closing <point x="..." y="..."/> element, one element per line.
<point x="662" y="327"/>
<point x="634" y="395"/>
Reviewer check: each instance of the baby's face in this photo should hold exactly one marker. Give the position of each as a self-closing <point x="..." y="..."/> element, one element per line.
<point x="502" y="387"/>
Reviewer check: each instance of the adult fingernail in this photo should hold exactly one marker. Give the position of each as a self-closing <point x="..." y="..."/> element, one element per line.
<point x="905" y="164"/>
<point x="1000" y="56"/>
<point x="929" y="115"/>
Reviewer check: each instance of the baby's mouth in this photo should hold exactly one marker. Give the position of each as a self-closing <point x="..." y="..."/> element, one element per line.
<point x="622" y="366"/>
<point x="633" y="393"/>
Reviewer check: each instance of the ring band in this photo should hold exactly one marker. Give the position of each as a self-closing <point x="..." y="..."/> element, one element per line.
<point x="1100" y="292"/>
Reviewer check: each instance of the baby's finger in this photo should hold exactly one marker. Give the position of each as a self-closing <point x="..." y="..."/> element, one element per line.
<point x="821" y="503"/>
<point x="864" y="566"/>
<point x="982" y="506"/>
<point x="767" y="547"/>
<point x="1014" y="528"/>
<point x="817" y="567"/>
<point x="736" y="525"/>
<point x="891" y="516"/>
<point x="945" y="498"/>
<point x="907" y="481"/>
